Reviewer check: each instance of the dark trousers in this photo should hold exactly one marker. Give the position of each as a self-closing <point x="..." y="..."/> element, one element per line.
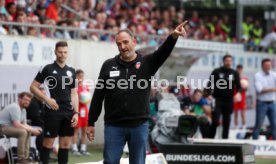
<point x="39" y="143"/>
<point x="265" y="109"/>
<point x="204" y="126"/>
<point x="115" y="139"/>
<point x="225" y="108"/>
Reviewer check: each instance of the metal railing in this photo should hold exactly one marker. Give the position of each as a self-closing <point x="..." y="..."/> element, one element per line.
<point x="68" y="8"/>
<point x="53" y="31"/>
<point x="44" y="30"/>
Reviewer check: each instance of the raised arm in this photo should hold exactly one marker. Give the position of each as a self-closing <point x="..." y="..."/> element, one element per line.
<point x="163" y="52"/>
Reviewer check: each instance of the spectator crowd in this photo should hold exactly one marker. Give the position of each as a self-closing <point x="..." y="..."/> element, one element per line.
<point x="142" y="17"/>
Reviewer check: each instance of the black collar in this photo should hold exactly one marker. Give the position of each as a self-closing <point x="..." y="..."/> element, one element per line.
<point x="127" y="64"/>
<point x="56" y="64"/>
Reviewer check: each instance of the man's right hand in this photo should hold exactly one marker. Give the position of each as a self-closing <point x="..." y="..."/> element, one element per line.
<point x="90" y="133"/>
<point x="52" y="103"/>
<point x="36" y="131"/>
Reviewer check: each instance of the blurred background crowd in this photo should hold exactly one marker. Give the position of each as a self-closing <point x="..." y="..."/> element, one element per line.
<point x="143" y="17"/>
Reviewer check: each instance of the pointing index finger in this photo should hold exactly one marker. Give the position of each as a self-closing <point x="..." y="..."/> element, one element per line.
<point x="184" y="23"/>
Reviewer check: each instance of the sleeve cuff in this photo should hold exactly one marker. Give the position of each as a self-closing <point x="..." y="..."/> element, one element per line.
<point x="90" y="123"/>
<point x="171" y="37"/>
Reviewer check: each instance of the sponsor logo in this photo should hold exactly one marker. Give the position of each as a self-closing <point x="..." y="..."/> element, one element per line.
<point x="116" y="68"/>
<point x="30" y="52"/>
<point x="69" y="73"/>
<point x="201" y="158"/>
<point x="265" y="148"/>
<point x="15" y="51"/>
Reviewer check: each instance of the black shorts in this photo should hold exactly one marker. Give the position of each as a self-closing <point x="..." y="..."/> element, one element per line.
<point x="58" y="122"/>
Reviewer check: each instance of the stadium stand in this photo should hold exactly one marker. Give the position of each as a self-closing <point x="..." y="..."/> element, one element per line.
<point x="143" y="17"/>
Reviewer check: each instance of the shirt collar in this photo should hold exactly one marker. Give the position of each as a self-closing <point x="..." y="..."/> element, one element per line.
<point x="127" y="64"/>
<point x="266" y="74"/>
<point x="55" y="62"/>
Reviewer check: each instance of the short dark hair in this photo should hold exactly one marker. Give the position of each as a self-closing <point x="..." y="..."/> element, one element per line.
<point x="239" y="66"/>
<point x="22" y="94"/>
<point x="205" y="93"/>
<point x="265" y="60"/>
<point x="61" y="44"/>
<point x="79" y="71"/>
<point x="9" y="5"/>
<point x="226" y="56"/>
<point x="126" y="30"/>
<point x="198" y="90"/>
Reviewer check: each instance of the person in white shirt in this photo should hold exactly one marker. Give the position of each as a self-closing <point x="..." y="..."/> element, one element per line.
<point x="265" y="84"/>
<point x="269" y="39"/>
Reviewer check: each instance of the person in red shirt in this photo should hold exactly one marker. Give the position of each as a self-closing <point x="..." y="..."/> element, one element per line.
<point x="84" y="99"/>
<point x="240" y="105"/>
<point x="53" y="10"/>
<point x="12" y="10"/>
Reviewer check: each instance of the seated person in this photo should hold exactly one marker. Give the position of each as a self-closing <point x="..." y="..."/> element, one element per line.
<point x="13" y="123"/>
<point x="198" y="106"/>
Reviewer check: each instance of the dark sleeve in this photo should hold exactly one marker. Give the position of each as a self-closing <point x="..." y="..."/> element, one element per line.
<point x="185" y="103"/>
<point x="31" y="110"/>
<point x="237" y="82"/>
<point x="209" y="89"/>
<point x="161" y="54"/>
<point x="33" y="113"/>
<point x="41" y="75"/>
<point x="73" y="85"/>
<point x="97" y="99"/>
<point x="156" y="104"/>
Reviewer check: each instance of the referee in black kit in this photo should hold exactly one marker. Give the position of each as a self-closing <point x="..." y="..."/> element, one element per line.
<point x="127" y="108"/>
<point x="223" y="81"/>
<point x="61" y="113"/>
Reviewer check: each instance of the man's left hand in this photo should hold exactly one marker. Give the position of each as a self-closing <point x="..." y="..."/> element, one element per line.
<point x="180" y="30"/>
<point x="74" y="120"/>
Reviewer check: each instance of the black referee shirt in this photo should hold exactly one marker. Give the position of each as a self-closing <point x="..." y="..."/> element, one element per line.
<point x="231" y="77"/>
<point x="57" y="81"/>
